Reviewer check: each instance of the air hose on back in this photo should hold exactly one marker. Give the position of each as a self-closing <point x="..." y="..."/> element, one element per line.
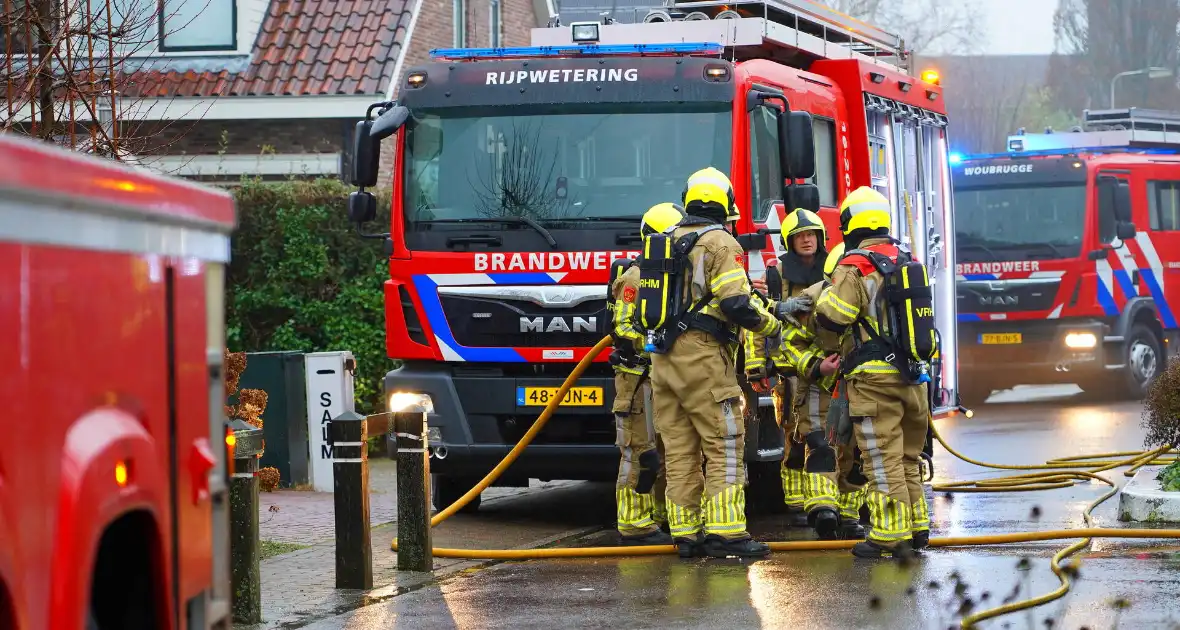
<point x="1057" y="473"/>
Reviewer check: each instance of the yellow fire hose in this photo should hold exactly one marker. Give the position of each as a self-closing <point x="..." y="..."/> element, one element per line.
<point x="1057" y="473"/>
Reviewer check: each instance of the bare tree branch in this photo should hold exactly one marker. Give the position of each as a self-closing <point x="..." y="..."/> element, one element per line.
<point x="1134" y="35"/>
<point x="75" y="71"/>
<point x="927" y="26"/>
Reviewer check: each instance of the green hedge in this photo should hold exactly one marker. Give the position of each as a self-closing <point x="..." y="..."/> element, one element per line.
<point x="301" y="279"/>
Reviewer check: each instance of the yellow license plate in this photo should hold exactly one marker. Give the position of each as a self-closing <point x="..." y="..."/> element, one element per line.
<point x="1000" y="338"/>
<point x="575" y="397"/>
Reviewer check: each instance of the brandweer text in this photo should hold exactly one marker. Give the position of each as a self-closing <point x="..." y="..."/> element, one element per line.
<point x="548" y="261"/>
<point x="568" y="75"/>
<point x="997" y="267"/>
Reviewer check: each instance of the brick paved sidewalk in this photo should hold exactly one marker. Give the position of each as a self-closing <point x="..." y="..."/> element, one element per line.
<point x="299" y="587"/>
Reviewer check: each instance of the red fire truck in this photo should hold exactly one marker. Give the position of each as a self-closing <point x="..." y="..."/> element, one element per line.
<point x="523" y="172"/>
<point x="113" y="490"/>
<point x="1065" y="268"/>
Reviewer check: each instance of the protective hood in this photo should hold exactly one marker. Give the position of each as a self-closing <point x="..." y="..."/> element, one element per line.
<point x="797" y="273"/>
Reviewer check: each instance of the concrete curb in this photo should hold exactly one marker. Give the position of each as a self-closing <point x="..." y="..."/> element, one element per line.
<point x="1142" y="500"/>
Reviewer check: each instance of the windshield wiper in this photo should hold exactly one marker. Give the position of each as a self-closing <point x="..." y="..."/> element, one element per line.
<point x="1049" y="246"/>
<point x="516" y="220"/>
<point x="974" y="242"/>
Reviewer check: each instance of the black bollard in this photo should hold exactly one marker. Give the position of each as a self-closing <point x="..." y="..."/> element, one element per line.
<point x="243" y="509"/>
<point x="414" y="546"/>
<point x="348" y="435"/>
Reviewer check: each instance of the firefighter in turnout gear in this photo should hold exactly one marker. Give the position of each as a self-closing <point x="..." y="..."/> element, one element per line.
<point x="877" y="314"/>
<point x="639" y="488"/>
<point x="830" y="486"/>
<point x="805" y="240"/>
<point x="694" y="374"/>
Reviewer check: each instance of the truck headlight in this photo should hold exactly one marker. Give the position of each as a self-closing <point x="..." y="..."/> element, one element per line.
<point x="1081" y="341"/>
<point x="402" y="401"/>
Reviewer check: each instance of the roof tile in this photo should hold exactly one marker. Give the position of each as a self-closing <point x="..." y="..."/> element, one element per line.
<point x="304" y="47"/>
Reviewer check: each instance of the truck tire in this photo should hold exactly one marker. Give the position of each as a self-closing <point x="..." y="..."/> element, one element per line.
<point x="1143" y="360"/>
<point x="444" y="491"/>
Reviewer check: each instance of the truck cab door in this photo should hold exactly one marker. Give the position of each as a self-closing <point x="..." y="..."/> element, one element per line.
<point x="1118" y="271"/>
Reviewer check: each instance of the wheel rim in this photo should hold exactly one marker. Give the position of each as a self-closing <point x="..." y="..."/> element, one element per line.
<point x="1143" y="361"/>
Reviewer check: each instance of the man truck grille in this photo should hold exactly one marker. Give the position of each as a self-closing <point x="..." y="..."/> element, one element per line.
<point x="1007" y="296"/>
<point x="500" y="322"/>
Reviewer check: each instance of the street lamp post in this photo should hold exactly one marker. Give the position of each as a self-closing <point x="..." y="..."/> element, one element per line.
<point x="1153" y="72"/>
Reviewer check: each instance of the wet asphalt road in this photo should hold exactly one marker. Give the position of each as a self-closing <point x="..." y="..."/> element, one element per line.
<point x="1123" y="583"/>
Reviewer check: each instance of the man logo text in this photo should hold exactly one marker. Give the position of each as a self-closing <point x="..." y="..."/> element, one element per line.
<point x="558" y="324"/>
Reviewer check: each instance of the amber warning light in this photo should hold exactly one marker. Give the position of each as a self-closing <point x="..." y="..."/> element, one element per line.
<point x="930" y="76"/>
<point x="121" y="475"/>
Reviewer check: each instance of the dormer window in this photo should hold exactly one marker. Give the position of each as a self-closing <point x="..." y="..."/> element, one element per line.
<point x="198" y="25"/>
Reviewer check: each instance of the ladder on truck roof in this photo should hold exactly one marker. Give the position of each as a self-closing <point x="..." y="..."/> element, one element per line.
<point x="788" y="31"/>
<point x="1107" y="130"/>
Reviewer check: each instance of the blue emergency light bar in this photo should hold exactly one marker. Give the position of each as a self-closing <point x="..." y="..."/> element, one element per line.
<point x="958" y="159"/>
<point x="584" y="50"/>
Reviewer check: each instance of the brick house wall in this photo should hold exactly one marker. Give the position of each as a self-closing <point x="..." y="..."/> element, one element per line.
<point x="435" y="29"/>
<point x="244" y="137"/>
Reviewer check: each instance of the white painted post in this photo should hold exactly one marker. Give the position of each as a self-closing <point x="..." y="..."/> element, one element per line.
<point x="329" y="394"/>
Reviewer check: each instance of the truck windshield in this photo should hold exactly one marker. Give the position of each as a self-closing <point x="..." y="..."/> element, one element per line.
<point x="1043" y="221"/>
<point x="555" y="166"/>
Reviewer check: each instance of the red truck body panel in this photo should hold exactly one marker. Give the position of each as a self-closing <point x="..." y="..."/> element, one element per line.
<point x="104" y="267"/>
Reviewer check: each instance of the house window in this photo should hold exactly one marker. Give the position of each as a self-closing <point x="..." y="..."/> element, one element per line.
<point x="494" y="25"/>
<point x="1163" y="201"/>
<point x="459" y="9"/>
<point x="824" y="133"/>
<point x="198" y="25"/>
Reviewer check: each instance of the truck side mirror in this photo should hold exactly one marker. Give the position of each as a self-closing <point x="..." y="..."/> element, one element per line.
<point x="366" y="155"/>
<point x="1114" y="195"/>
<point x="362" y="207"/>
<point x="1122" y="202"/>
<point x="798" y="145"/>
<point x="388" y="123"/>
<point x="1125" y="230"/>
<point x="804" y="196"/>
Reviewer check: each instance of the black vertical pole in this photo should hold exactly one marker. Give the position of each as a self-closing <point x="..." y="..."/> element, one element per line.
<point x="350" y="474"/>
<point x="414" y="546"/>
<point x="243" y="509"/>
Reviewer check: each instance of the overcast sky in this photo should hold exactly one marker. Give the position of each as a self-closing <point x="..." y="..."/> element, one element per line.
<point x="1019" y="27"/>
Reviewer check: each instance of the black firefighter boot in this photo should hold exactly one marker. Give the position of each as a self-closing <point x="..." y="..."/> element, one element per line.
<point x="745" y="547"/>
<point x="657" y="537"/>
<point x="797" y="518"/>
<point x="873" y="551"/>
<point x="691" y="547"/>
<point x="851" y="529"/>
<point x="826" y="522"/>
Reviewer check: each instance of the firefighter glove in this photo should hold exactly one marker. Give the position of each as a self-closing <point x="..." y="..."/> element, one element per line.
<point x="793" y="306"/>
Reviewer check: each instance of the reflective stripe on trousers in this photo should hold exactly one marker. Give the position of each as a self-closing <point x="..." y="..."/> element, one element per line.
<point x="850" y="503"/>
<point x="891" y="520"/>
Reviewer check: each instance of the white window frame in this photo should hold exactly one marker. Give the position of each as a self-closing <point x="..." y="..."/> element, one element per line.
<point x="495" y="24"/>
<point x="165" y="29"/>
<point x="459" y="23"/>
